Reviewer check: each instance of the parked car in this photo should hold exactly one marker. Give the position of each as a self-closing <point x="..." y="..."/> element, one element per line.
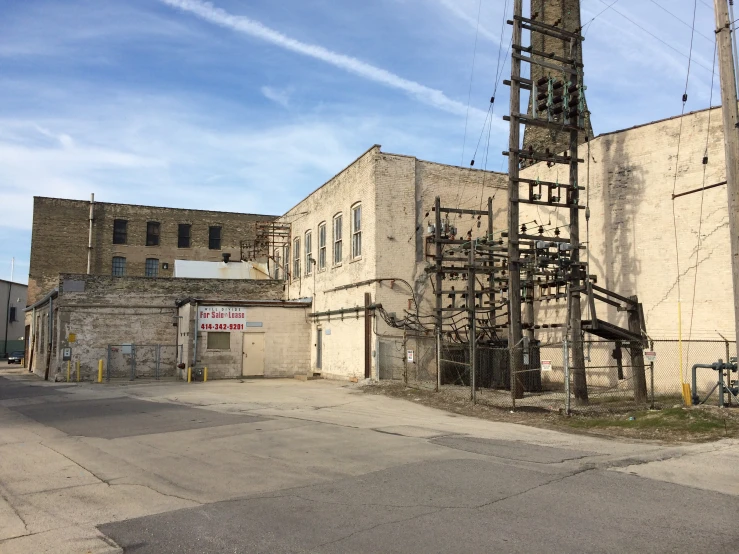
<point x="16" y="357"/>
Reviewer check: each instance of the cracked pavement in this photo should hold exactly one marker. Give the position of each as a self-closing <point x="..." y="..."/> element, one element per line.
<point x="294" y="466"/>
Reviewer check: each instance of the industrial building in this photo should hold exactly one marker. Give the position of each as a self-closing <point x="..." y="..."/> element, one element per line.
<point x="12" y="304"/>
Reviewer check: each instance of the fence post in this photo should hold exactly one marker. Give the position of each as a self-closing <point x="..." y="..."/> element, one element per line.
<point x="78" y="371"/>
<point x="69" y="367"/>
<point x="156" y="370"/>
<point x="566" y="358"/>
<point x="651" y="373"/>
<point x="100" y="370"/>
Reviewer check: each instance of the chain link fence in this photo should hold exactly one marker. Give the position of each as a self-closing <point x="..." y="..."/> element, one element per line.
<point x="148" y="361"/>
<point x="612" y="375"/>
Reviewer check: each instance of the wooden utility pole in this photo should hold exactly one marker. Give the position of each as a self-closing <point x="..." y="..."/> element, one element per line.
<point x="731" y="140"/>
<point x="514" y="252"/>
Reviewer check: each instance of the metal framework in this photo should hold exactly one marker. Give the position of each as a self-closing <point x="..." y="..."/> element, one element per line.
<point x="271" y="243"/>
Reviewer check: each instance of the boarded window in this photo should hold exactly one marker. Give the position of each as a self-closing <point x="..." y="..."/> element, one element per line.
<point x="219" y="341"/>
<point x="152" y="267"/>
<point x="183" y="235"/>
<point x="119" y="266"/>
<point x="214" y="238"/>
<point x="120" y="231"/>
<point x="152" y="233"/>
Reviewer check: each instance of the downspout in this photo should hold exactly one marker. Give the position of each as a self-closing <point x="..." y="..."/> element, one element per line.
<point x="89" y="236"/>
<point x="51" y="340"/>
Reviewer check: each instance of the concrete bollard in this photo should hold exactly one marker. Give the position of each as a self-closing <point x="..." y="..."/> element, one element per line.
<point x="100" y="371"/>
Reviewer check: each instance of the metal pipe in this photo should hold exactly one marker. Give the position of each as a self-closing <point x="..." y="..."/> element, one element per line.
<point x="695" y="399"/>
<point x="195" y="336"/>
<point x="89" y="237"/>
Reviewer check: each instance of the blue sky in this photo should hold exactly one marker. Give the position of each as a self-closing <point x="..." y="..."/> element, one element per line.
<point x="250" y="105"/>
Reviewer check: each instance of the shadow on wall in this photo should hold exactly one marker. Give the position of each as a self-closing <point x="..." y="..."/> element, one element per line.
<point x="623" y="191"/>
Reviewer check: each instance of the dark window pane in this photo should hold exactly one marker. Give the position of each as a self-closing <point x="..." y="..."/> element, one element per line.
<point x="183" y="235"/>
<point x="219" y="341"/>
<point x="120" y="231"/>
<point x="12" y="316"/>
<point x="119" y="266"/>
<point x="214" y="238"/>
<point x="152" y="267"/>
<point x="152" y="233"/>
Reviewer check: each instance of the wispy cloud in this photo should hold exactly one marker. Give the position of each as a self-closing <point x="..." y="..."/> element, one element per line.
<point x="458" y="11"/>
<point x="245" y="25"/>
<point x="278" y="96"/>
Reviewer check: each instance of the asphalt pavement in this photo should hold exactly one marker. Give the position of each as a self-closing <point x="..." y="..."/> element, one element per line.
<point x="286" y="466"/>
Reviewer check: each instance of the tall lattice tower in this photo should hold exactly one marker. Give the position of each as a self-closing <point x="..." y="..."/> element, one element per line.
<point x="566" y="15"/>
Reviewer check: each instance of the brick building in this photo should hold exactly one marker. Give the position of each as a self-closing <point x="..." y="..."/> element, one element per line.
<point x="127" y="240"/>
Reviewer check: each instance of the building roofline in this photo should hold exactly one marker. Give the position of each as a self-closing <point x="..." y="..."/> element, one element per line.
<point x="379" y="149"/>
<point x="87" y="202"/>
<point x="655" y="122"/>
<point x="14" y="283"/>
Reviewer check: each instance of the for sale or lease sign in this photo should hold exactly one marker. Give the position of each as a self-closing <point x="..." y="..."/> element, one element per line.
<point x="221" y="318"/>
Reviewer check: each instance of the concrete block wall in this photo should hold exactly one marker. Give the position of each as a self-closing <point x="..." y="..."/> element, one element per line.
<point x="59" y="240"/>
<point x="287" y="336"/>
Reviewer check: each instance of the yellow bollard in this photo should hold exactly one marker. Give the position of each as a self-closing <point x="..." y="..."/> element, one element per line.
<point x="189" y="374"/>
<point x="205" y="374"/>
<point x="100" y="371"/>
<point x="78" y="371"/>
<point x="69" y="367"/>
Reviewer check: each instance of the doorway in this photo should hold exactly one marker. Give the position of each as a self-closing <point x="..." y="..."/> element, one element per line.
<point x="319" y="349"/>
<point x="252" y="355"/>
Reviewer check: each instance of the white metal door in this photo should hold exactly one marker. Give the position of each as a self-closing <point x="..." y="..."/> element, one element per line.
<point x="252" y="355"/>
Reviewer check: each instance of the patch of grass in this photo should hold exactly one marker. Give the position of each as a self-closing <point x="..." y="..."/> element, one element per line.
<point x="682" y="420"/>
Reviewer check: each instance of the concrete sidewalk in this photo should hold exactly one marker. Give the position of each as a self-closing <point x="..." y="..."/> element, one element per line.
<point x="87" y="468"/>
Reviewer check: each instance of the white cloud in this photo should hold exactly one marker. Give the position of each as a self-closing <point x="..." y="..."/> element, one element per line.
<point x="278" y="96"/>
<point x="241" y="24"/>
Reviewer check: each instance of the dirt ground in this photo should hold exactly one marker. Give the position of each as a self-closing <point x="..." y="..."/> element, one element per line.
<point x="672" y="424"/>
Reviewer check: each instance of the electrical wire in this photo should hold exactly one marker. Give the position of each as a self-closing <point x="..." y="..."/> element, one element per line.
<point x="674" y="213"/>
<point x="700" y="217"/>
<point x="681" y="20"/>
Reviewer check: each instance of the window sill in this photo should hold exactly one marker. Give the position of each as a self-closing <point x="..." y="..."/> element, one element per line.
<point x="357" y="259"/>
<point x="335" y="266"/>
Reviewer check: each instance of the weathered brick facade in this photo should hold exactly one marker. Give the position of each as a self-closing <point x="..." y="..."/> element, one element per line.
<point x="567" y="12"/>
<point x="59" y="241"/>
<point x="102" y="311"/>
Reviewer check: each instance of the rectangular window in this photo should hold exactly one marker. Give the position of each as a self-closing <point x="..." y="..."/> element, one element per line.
<point x="152" y="267"/>
<point x="337" y="239"/>
<point x="12" y="316"/>
<point x="308" y="253"/>
<point x="183" y="235"/>
<point x="214" y="238"/>
<point x="119" y="266"/>
<point x="219" y="341"/>
<point x="322" y="246"/>
<point x="152" y="233"/>
<point x="120" y="231"/>
<point x="296" y="259"/>
<point x="357" y="231"/>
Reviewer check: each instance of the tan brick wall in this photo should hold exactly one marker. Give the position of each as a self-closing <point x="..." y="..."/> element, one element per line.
<point x="60" y="235"/>
<point x="632" y="235"/>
